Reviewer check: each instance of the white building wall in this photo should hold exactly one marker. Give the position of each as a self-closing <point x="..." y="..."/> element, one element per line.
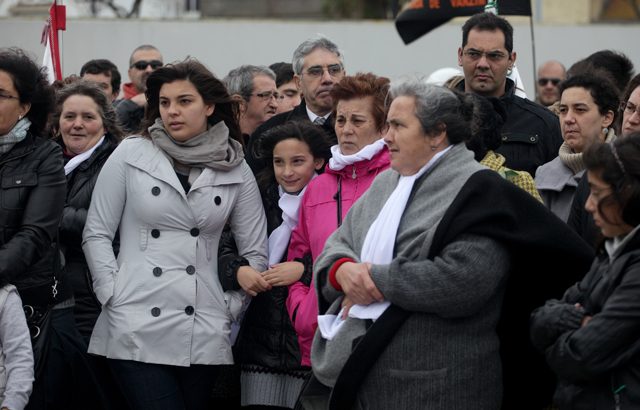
<point x="368" y="46"/>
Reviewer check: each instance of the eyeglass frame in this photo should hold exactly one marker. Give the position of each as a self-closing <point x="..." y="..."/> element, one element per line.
<point x="338" y="68"/>
<point x="493" y="56"/>
<point x="545" y="80"/>
<point x="155" y="64"/>
<point x="624" y="106"/>
<point x="268" y="95"/>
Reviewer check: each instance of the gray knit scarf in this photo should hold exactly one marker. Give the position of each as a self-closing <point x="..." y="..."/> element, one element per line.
<point x="574" y="160"/>
<point x="211" y="149"/>
<point x="17" y="134"/>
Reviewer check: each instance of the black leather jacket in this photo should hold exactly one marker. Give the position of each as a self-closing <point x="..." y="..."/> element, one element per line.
<point x="32" y="189"/>
<point x="80" y="185"/>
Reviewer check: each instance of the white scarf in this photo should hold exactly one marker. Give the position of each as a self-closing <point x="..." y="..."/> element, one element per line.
<point x="279" y="238"/>
<point x="80" y="158"/>
<point x="338" y="160"/>
<point x="378" y="247"/>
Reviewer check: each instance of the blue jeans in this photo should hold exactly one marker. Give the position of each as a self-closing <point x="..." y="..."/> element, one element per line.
<point x="149" y="386"/>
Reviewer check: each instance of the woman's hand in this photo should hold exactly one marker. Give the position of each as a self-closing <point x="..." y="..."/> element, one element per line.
<point x="355" y="280"/>
<point x="251" y="280"/>
<point x="283" y="274"/>
<point x="346" y="306"/>
<point x="586" y="319"/>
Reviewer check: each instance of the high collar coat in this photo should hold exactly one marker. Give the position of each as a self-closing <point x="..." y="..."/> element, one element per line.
<point x="162" y="301"/>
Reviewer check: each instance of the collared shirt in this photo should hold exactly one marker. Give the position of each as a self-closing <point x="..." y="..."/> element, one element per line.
<point x="313" y="116"/>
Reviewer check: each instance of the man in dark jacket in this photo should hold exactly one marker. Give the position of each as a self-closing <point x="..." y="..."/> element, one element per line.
<point x="143" y="61"/>
<point x="531" y="135"/>
<point x="317" y="64"/>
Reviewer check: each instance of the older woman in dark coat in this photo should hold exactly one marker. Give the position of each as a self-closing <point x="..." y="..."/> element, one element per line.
<point x="88" y="134"/>
<point x="427" y="256"/>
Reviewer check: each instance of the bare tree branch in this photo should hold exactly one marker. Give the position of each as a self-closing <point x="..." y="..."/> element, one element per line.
<point x="119" y="11"/>
<point x="135" y="9"/>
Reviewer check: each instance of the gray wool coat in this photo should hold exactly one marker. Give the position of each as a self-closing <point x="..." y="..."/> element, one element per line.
<point x="446" y="355"/>
<point x="557" y="186"/>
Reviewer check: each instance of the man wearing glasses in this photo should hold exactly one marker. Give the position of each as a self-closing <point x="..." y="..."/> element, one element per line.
<point x="130" y="111"/>
<point x="550" y="74"/>
<point x="255" y="88"/>
<point x="317" y="66"/>
<point x="531" y="134"/>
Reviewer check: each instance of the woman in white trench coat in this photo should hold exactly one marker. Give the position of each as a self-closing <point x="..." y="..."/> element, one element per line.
<point x="165" y="319"/>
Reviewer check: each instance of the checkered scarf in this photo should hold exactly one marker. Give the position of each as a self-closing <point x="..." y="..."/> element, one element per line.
<point x="17" y="134"/>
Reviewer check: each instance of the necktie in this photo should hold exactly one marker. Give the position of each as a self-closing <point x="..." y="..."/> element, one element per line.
<point x="319" y="121"/>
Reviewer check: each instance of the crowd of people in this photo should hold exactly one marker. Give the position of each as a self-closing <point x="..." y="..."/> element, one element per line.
<point x="295" y="236"/>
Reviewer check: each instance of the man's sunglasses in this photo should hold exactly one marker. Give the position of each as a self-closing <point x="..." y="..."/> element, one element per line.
<point x="543" y="81"/>
<point x="143" y="64"/>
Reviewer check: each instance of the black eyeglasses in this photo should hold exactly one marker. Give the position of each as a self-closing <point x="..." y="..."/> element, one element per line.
<point x="543" y="81"/>
<point x="143" y="64"/>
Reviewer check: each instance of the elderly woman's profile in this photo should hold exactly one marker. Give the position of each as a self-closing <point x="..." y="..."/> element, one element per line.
<point x="413" y="286"/>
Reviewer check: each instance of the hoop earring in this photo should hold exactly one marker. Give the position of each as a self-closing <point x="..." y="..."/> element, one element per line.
<point x="605" y="130"/>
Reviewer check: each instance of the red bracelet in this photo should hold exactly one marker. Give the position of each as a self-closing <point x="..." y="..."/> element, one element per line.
<point x="334" y="270"/>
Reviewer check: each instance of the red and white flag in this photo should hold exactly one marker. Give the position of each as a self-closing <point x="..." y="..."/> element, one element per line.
<point x="57" y="21"/>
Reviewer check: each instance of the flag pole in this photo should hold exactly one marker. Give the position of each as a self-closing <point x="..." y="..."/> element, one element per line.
<point x="533" y="51"/>
<point x="55" y="22"/>
<point x="61" y="33"/>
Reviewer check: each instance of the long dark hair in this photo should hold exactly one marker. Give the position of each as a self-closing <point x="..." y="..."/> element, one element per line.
<point x="617" y="165"/>
<point x="31" y="83"/>
<point x="313" y="136"/>
<point x="209" y="87"/>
